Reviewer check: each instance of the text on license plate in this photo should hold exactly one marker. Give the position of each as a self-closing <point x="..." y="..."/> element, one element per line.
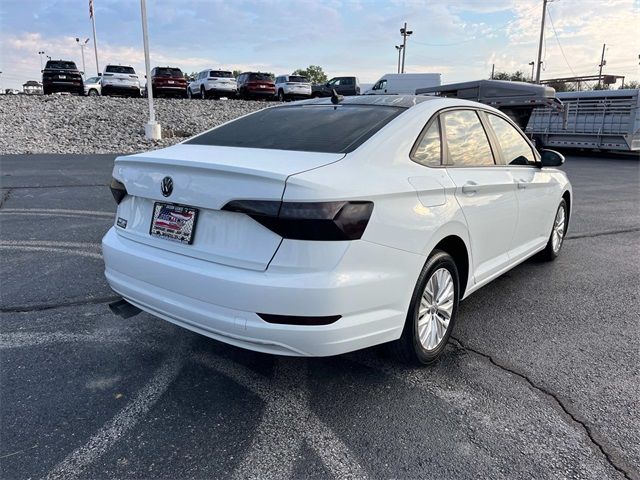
<point x="173" y="222"/>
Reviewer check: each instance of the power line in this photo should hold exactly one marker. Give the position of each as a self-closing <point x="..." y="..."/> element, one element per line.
<point x="558" y="40"/>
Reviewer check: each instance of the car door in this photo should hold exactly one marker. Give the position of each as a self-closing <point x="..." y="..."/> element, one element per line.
<point x="537" y="191"/>
<point x="484" y="190"/>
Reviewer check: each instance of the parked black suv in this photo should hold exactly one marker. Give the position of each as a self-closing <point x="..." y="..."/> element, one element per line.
<point x="61" y="76"/>
<point x="343" y="86"/>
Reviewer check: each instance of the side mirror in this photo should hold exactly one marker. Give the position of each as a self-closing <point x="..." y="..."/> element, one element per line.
<point x="99" y="74"/>
<point x="551" y="158"/>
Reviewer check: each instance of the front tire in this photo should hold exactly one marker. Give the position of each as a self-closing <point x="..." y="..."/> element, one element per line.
<point x="558" y="232"/>
<point x="432" y="312"/>
<point x="203" y="93"/>
<point x="93" y="93"/>
<point x="281" y="96"/>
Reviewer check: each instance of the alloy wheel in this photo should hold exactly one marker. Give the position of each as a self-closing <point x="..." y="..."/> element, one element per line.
<point x="557" y="235"/>
<point x="436" y="308"/>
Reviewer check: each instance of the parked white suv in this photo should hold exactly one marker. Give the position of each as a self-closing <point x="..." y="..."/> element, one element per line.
<point x="120" y="80"/>
<point x="292" y="87"/>
<point x="213" y="84"/>
<point x="92" y="87"/>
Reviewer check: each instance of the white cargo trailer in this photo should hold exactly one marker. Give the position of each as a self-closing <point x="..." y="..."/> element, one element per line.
<point x="403" y="83"/>
<point x="598" y="120"/>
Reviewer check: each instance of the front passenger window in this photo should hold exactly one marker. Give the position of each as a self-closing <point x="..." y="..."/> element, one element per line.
<point x="515" y="149"/>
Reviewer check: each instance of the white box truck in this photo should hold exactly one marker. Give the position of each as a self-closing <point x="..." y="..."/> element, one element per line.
<point x="403" y="83"/>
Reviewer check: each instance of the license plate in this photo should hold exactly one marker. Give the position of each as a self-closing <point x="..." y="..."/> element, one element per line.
<point x="262" y="86"/>
<point x="174" y="222"/>
<point x="62" y="76"/>
<point x="171" y="82"/>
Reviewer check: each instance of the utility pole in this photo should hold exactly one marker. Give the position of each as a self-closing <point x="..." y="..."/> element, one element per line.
<point x="40" y="53"/>
<point x="493" y="69"/>
<point x="544" y="14"/>
<point x="405" y="33"/>
<point x="532" y="64"/>
<point x="82" y="45"/>
<point x="399" y="48"/>
<point x="603" y="62"/>
<point x="152" y="130"/>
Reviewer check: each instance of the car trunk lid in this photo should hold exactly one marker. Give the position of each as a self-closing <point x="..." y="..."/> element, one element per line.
<point x="207" y="178"/>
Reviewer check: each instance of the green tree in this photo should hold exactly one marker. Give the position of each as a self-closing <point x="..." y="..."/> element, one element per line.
<point x="517" y="76"/>
<point x="314" y="73"/>
<point x="631" y="84"/>
<point x="236" y="73"/>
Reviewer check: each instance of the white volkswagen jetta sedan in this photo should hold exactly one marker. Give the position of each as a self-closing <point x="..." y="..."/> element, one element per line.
<point x="317" y="228"/>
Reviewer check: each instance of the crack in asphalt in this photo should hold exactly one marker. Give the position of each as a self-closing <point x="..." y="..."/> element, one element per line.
<point x="5" y="196"/>
<point x="600" y="234"/>
<point x="608" y="456"/>
<point x="50" y="306"/>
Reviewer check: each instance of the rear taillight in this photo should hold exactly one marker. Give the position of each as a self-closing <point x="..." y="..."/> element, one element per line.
<point x="308" y="220"/>
<point x="118" y="190"/>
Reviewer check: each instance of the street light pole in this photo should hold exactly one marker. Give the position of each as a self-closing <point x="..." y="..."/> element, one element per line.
<point x="40" y="53"/>
<point x="544" y="14"/>
<point x="405" y="33"/>
<point x="399" y="48"/>
<point x="152" y="130"/>
<point x="82" y="45"/>
<point x="532" y="64"/>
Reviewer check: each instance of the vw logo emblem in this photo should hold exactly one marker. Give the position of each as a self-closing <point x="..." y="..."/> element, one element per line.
<point x="166" y="186"/>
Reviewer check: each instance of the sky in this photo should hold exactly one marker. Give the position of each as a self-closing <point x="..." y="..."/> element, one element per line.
<point x="461" y="39"/>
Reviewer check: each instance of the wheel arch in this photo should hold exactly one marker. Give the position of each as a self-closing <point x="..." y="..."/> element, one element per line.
<point x="457" y="248"/>
<point x="567" y="198"/>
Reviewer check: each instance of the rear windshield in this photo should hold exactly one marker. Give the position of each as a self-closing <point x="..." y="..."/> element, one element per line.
<point x="61" y="65"/>
<point x="220" y="74"/>
<point x="260" y="77"/>
<point x="298" y="79"/>
<point x="308" y="128"/>
<point x="169" y="72"/>
<point x="119" y="69"/>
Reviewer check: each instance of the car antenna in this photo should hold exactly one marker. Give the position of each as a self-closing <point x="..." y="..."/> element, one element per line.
<point x="335" y="98"/>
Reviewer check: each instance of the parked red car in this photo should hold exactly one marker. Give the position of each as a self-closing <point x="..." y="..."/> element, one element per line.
<point x="168" y="81"/>
<point x="256" y="84"/>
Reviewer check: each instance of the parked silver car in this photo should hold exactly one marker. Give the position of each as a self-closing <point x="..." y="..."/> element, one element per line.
<point x="93" y="87"/>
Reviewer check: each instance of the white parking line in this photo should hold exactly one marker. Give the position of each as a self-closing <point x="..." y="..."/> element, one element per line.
<point x="57" y="211"/>
<point x="91" y="250"/>
<point x="287" y="422"/>
<point x="75" y="463"/>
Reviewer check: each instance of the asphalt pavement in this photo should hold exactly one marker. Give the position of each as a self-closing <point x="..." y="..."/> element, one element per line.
<point x="541" y="379"/>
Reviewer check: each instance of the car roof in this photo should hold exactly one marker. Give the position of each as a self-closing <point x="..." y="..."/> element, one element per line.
<point x="404" y="101"/>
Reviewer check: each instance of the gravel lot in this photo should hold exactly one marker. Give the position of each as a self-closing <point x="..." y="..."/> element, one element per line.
<point x="69" y="124"/>
<point x="540" y="380"/>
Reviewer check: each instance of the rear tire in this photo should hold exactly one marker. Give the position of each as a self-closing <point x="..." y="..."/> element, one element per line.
<point x="432" y="312"/>
<point x="558" y="232"/>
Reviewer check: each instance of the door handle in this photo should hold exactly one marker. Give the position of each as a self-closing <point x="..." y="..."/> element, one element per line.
<point x="470" y="187"/>
<point x="522" y="183"/>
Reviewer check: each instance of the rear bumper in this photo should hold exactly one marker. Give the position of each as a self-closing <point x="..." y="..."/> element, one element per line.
<point x="266" y="92"/>
<point x="63" y="86"/>
<point x="370" y="287"/>
<point x="120" y="89"/>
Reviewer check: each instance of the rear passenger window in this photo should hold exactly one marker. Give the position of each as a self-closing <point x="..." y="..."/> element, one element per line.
<point x="467" y="142"/>
<point x="515" y="149"/>
<point x="428" y="151"/>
